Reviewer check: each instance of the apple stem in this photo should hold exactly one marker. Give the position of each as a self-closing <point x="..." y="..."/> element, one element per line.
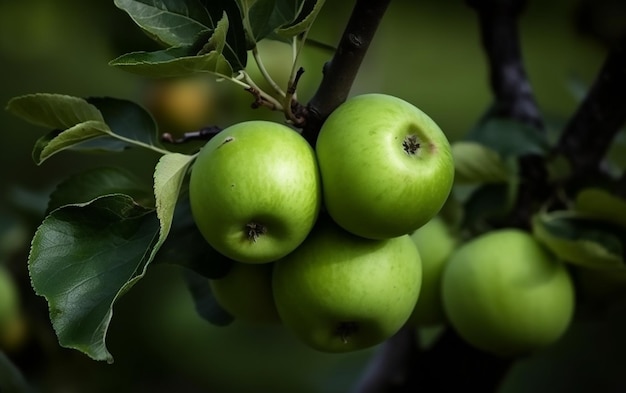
<point x="345" y="330"/>
<point x="255" y="230"/>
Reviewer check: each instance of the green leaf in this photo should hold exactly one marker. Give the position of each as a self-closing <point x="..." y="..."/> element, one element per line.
<point x="304" y="20"/>
<point x="476" y="163"/>
<point x="185" y="246"/>
<point x="581" y="239"/>
<point x="57" y="141"/>
<point x="216" y="40"/>
<point x="168" y="178"/>
<point x="265" y="16"/>
<point x="91" y="184"/>
<point x="509" y="137"/>
<point x="204" y="301"/>
<point x="179" y="24"/>
<point x="171" y="23"/>
<point x="83" y="258"/>
<point x="236" y="49"/>
<point x="281" y="18"/>
<point x="96" y="123"/>
<point x="126" y="119"/>
<point x="603" y="205"/>
<point x="173" y="62"/>
<point x="56" y="111"/>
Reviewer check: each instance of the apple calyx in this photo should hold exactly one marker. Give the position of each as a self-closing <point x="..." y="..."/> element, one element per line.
<point x="411" y="144"/>
<point x="345" y="330"/>
<point x="255" y="230"/>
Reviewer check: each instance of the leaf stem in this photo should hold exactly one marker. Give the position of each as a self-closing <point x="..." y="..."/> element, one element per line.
<point x="138" y="143"/>
<point x="265" y="73"/>
<point x="263" y="98"/>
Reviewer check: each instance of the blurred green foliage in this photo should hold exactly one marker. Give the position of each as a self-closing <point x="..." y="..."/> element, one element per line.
<point x="426" y="52"/>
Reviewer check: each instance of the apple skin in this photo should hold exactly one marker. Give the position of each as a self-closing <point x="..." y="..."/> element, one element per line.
<point x="373" y="185"/>
<point x="505" y="294"/>
<point x="245" y="292"/>
<point x="435" y="243"/>
<point x="338" y="292"/>
<point x="255" y="191"/>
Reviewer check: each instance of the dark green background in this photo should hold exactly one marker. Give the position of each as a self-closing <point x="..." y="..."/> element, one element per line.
<point x="427" y="52"/>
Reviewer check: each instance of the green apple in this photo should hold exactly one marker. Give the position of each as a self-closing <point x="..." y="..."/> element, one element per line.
<point x="386" y="166"/>
<point x="435" y="243"/>
<point x="505" y="294"/>
<point x="338" y="292"/>
<point x="246" y="293"/>
<point x="255" y="191"/>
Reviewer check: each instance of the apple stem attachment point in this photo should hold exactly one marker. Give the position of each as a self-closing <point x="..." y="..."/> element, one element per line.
<point x="345" y="330"/>
<point x="411" y="144"/>
<point x="255" y="230"/>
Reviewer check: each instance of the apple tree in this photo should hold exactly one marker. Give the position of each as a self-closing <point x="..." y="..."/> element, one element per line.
<point x="556" y="189"/>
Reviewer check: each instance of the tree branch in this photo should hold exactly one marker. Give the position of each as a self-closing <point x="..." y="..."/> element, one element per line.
<point x="451" y="364"/>
<point x="514" y="97"/>
<point x="341" y="70"/>
<point x="589" y="133"/>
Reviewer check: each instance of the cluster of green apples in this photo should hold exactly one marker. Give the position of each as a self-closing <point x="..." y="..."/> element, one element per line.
<point x="501" y="291"/>
<point x="321" y="236"/>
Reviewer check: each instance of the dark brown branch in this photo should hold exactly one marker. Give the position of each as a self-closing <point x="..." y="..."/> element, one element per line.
<point x="589" y="133"/>
<point x="514" y="98"/>
<point x="341" y="70"/>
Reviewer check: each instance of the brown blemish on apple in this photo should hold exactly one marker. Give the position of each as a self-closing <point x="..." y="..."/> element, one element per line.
<point x="254" y="230"/>
<point x="226" y="140"/>
<point x="411" y="144"/>
<point x="345" y="330"/>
